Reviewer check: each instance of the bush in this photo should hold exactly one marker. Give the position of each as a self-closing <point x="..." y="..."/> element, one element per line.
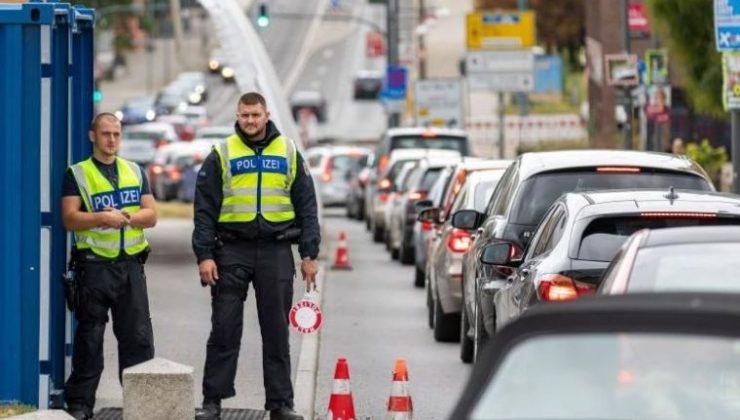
<point x="710" y="158"/>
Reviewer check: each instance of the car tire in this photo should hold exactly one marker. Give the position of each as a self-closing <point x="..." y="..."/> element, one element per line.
<point x="367" y="224"/>
<point x="377" y="233"/>
<point x="406" y="254"/>
<point x="466" y="343"/>
<point x="394" y="253"/>
<point x="446" y="326"/>
<point x="430" y="303"/>
<point x="419" y="277"/>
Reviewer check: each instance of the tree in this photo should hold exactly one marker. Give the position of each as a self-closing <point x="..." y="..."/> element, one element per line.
<point x="689" y="27"/>
<point x="560" y="23"/>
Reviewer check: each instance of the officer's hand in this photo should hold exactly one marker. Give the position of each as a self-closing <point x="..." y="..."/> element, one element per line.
<point x="208" y="272"/>
<point x="309" y="268"/>
<point x="113" y="218"/>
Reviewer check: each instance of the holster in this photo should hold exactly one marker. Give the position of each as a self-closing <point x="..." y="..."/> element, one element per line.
<point x="71" y="280"/>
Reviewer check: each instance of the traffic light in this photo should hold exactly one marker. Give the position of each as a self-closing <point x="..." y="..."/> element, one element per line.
<point x="97" y="93"/>
<point x="263" y="16"/>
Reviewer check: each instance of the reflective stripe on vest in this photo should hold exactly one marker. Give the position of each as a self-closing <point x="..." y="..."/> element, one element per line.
<point x="257" y="184"/>
<point x="97" y="194"/>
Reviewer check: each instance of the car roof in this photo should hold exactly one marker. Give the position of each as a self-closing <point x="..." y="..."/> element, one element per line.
<point x="605" y="202"/>
<point x="418" y="131"/>
<point x="531" y="164"/>
<point x="150" y="126"/>
<point x="485" y="175"/>
<point x="399" y="154"/>
<point x="478" y="165"/>
<point x="693" y="235"/>
<point x="341" y="150"/>
<point x="712" y="314"/>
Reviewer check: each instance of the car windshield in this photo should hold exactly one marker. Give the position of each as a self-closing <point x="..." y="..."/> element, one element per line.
<point x="616" y="376"/>
<point x="429" y="178"/>
<point x="539" y="192"/>
<point x="459" y="144"/>
<point x="687" y="267"/>
<point x="483" y="192"/>
<point x="345" y="163"/>
<point x="603" y="237"/>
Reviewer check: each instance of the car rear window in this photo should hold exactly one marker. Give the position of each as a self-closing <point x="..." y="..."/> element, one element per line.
<point x="483" y="192"/>
<point x="429" y="178"/>
<point x="459" y="144"/>
<point x="603" y="237"/>
<point x="539" y="192"/>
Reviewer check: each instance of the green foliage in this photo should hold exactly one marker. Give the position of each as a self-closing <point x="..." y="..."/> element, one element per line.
<point x="689" y="25"/>
<point x="11" y="410"/>
<point x="710" y="158"/>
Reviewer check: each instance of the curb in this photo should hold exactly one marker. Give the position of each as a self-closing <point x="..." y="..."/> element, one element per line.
<point x="308" y="361"/>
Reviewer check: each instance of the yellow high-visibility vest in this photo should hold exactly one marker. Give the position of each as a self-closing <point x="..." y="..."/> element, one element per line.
<point x="97" y="194"/>
<point x="257" y="183"/>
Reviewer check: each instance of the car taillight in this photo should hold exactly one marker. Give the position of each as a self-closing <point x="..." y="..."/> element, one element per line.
<point x="678" y="214"/>
<point x="556" y="287"/>
<point x="383" y="197"/>
<point x="157" y="169"/>
<point x="161" y="143"/>
<point x="417" y="195"/>
<point x="618" y="169"/>
<point x="173" y="172"/>
<point x="326" y="174"/>
<point x="426" y="225"/>
<point x="363" y="178"/>
<point x="384" y="184"/>
<point x="382" y="163"/>
<point x="459" y="240"/>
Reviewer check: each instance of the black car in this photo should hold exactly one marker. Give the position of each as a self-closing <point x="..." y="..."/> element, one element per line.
<point x="528" y="188"/>
<point x="682" y="259"/>
<point x="582" y="232"/>
<point x="642" y="356"/>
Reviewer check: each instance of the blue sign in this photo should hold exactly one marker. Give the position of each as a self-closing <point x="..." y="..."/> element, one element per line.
<point x="727" y="24"/>
<point x="394" y="85"/>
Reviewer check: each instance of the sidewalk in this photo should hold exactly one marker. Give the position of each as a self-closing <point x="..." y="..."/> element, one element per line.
<point x="146" y="73"/>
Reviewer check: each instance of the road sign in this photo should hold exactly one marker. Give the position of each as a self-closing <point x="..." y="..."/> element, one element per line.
<point x="638" y="18"/>
<point x="500" y="30"/>
<point x="439" y="103"/>
<point x="305" y="316"/>
<point x="500" y="71"/>
<point x="727" y="24"/>
<point x="394" y="85"/>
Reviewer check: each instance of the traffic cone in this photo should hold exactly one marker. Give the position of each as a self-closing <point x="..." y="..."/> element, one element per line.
<point x="399" y="403"/>
<point x="341" y="406"/>
<point x="341" y="259"/>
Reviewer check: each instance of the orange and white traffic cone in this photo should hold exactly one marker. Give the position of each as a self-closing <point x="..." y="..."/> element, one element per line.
<point x="341" y="260"/>
<point x="341" y="406"/>
<point x="399" y="403"/>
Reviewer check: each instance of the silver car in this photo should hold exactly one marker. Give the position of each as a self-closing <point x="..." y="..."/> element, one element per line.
<point x="331" y="167"/>
<point x="444" y="265"/>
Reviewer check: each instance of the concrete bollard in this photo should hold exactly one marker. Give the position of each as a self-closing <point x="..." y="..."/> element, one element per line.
<point x="158" y="390"/>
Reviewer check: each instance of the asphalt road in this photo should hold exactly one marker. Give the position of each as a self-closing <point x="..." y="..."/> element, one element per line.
<point x="373" y="315"/>
<point x="180" y="310"/>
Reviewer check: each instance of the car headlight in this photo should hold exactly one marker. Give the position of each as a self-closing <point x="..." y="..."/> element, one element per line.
<point x="119" y="115"/>
<point x="194" y="97"/>
<point x="150" y="115"/>
<point x="182" y="106"/>
<point x="214" y="65"/>
<point x="227" y="72"/>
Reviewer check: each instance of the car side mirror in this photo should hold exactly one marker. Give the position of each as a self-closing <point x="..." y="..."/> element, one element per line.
<point x="428" y="215"/>
<point x="499" y="253"/>
<point x="423" y="204"/>
<point x="467" y="219"/>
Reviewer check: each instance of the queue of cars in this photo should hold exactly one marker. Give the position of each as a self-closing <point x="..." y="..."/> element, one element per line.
<point x="499" y="246"/>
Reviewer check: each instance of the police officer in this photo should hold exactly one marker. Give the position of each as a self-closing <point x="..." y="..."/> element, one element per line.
<point x="107" y="203"/>
<point x="252" y="193"/>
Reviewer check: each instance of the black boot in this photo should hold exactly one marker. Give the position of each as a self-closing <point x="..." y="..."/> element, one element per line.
<point x="284" y="413"/>
<point x="211" y="410"/>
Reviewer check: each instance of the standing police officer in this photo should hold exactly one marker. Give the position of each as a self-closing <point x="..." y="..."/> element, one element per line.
<point x="253" y="193"/>
<point x="108" y="204"/>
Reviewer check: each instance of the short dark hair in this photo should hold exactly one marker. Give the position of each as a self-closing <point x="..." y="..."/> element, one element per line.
<point x="253" y="98"/>
<point x="102" y="116"/>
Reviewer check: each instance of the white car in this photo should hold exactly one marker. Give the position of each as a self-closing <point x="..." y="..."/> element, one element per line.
<point x="140" y="142"/>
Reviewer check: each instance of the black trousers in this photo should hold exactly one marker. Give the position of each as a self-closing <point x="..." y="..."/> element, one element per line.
<point x="268" y="265"/>
<point x="118" y="286"/>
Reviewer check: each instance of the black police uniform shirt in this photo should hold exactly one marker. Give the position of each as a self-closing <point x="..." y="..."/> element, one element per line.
<point x="110" y="172"/>
<point x="209" y="195"/>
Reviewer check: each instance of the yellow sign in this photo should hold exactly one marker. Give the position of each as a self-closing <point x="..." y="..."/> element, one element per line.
<point x="494" y="30"/>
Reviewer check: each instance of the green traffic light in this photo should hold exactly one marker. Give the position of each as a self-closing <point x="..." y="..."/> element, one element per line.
<point x="263" y="21"/>
<point x="97" y="96"/>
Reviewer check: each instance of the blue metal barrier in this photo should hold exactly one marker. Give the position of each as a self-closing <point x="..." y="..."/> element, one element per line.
<point x="46" y="105"/>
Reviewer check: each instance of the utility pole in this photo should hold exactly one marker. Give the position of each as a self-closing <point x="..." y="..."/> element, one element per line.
<point x="394" y="118"/>
<point x="176" y="26"/>
<point x="627" y="90"/>
<point x="522" y="97"/>
<point x="422" y="48"/>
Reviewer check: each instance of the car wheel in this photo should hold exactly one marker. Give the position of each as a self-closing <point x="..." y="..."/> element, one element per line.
<point x="367" y="224"/>
<point x="387" y="240"/>
<point x="394" y="253"/>
<point x="406" y="254"/>
<point x="466" y="343"/>
<point x="377" y="233"/>
<point x="419" y="277"/>
<point x="430" y="302"/>
<point x="446" y="326"/>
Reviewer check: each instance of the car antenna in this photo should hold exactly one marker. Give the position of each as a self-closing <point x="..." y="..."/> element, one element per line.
<point x="671" y="194"/>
